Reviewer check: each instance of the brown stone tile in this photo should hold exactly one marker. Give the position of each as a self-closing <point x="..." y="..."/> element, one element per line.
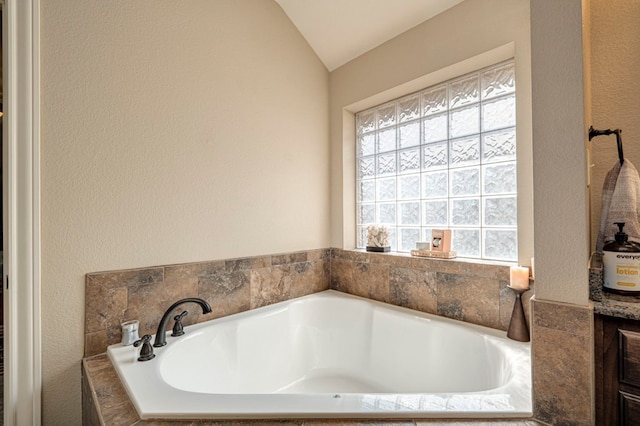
<point x="350" y="255"/>
<point x="470" y="299"/>
<point x="96" y="363"/>
<point x="121" y="415"/>
<point x="392" y="259"/>
<point x="228" y="292"/>
<point x="413" y="288"/>
<point x="281" y="259"/>
<point x="364" y="279"/>
<point x="103" y="305"/>
<point x="245" y="263"/>
<point x="319" y="254"/>
<point x="270" y="285"/>
<point x="308" y="278"/>
<point x="562" y="372"/>
<point x="568" y="318"/>
<point x="95" y="343"/>
<point x="128" y="277"/>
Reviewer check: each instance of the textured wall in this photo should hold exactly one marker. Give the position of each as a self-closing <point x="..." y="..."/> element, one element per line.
<point x="171" y="132"/>
<point x="559" y="154"/>
<point x="615" y="90"/>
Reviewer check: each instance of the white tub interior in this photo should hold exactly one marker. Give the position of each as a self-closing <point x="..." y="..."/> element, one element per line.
<point x="331" y="355"/>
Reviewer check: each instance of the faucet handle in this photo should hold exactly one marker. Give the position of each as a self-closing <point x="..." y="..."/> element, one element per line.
<point x="177" y="325"/>
<point x="146" y="353"/>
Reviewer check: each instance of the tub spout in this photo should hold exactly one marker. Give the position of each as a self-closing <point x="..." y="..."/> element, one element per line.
<point x="161" y="338"/>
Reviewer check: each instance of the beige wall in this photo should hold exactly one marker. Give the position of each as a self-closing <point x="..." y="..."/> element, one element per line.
<point x="615" y="91"/>
<point x="427" y="54"/>
<point x="171" y="132"/>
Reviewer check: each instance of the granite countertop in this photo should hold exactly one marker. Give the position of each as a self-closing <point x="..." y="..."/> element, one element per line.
<point x="609" y="304"/>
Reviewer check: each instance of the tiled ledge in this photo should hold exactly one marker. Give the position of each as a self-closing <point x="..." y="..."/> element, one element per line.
<point x="613" y="305"/>
<point x="105" y="402"/>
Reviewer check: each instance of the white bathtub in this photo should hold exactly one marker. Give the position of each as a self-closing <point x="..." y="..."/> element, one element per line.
<point x="330" y="355"/>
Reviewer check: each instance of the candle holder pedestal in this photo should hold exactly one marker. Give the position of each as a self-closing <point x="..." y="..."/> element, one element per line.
<point x="518" y="329"/>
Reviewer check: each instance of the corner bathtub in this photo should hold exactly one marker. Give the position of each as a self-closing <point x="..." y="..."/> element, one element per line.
<point x="330" y="355"/>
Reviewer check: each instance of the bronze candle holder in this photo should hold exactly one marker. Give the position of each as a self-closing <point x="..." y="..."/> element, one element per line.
<point x="518" y="328"/>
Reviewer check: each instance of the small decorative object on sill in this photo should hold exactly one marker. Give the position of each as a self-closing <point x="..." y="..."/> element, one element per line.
<point x="441" y="240"/>
<point x="518" y="329"/>
<point x="378" y="238"/>
<point x="434" y="253"/>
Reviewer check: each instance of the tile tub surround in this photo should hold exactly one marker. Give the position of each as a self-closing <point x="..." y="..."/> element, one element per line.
<point x="105" y="402"/>
<point x="562" y="363"/>
<point x="455" y="288"/>
<point x="230" y="286"/>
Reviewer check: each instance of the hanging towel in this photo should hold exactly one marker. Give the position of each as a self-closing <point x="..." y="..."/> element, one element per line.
<point x="620" y="203"/>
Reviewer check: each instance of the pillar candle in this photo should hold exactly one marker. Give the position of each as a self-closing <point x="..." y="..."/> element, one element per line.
<point x="519" y="277"/>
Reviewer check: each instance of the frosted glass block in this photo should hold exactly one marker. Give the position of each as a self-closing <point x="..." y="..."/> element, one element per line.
<point x="407" y="238"/>
<point x="366" y="144"/>
<point x="465" y="212"/>
<point x="434" y="100"/>
<point x="465" y="121"/>
<point x="409" y="160"/>
<point x="366" y="190"/>
<point x="466" y="242"/>
<point x="434" y="128"/>
<point x="386" y="164"/>
<point x="464" y="91"/>
<point x="502" y="211"/>
<point x="435" y="155"/>
<point x="387" y="140"/>
<point x="409" y="187"/>
<point x="408" y="108"/>
<point x="366" y="167"/>
<point x="366" y="121"/>
<point x="426" y="234"/>
<point x="386" y="115"/>
<point x="500" y="178"/>
<point x="386" y="189"/>
<point x="499" y="113"/>
<point x="393" y="238"/>
<point x="409" y="134"/>
<point x="464" y="152"/>
<point x="387" y="213"/>
<point x="498" y="81"/>
<point x="501" y="244"/>
<point x="361" y="237"/>
<point x="465" y="181"/>
<point x="435" y="213"/>
<point x="366" y="214"/>
<point x="435" y="184"/>
<point x="409" y="213"/>
<point x="499" y="146"/>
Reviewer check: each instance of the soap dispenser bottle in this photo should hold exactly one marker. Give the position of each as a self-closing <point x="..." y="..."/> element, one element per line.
<point x="621" y="262"/>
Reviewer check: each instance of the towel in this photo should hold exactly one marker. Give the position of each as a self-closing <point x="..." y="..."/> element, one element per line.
<point x="620" y="203"/>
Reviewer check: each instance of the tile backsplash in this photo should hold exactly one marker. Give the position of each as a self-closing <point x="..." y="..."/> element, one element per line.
<point x="468" y="291"/>
<point x="230" y="286"/>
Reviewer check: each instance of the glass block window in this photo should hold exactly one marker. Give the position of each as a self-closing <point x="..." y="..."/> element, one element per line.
<point x="444" y="157"/>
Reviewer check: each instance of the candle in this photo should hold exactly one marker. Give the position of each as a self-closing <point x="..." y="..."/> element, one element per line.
<point x="519" y="277"/>
<point x="533" y="270"/>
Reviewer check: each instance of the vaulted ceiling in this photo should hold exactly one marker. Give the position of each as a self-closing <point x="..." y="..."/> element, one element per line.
<point x="341" y="30"/>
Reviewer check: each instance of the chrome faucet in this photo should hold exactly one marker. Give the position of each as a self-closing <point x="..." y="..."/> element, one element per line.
<point x="161" y="338"/>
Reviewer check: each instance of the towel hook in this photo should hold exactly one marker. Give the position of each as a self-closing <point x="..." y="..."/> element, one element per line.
<point x="593" y="133"/>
